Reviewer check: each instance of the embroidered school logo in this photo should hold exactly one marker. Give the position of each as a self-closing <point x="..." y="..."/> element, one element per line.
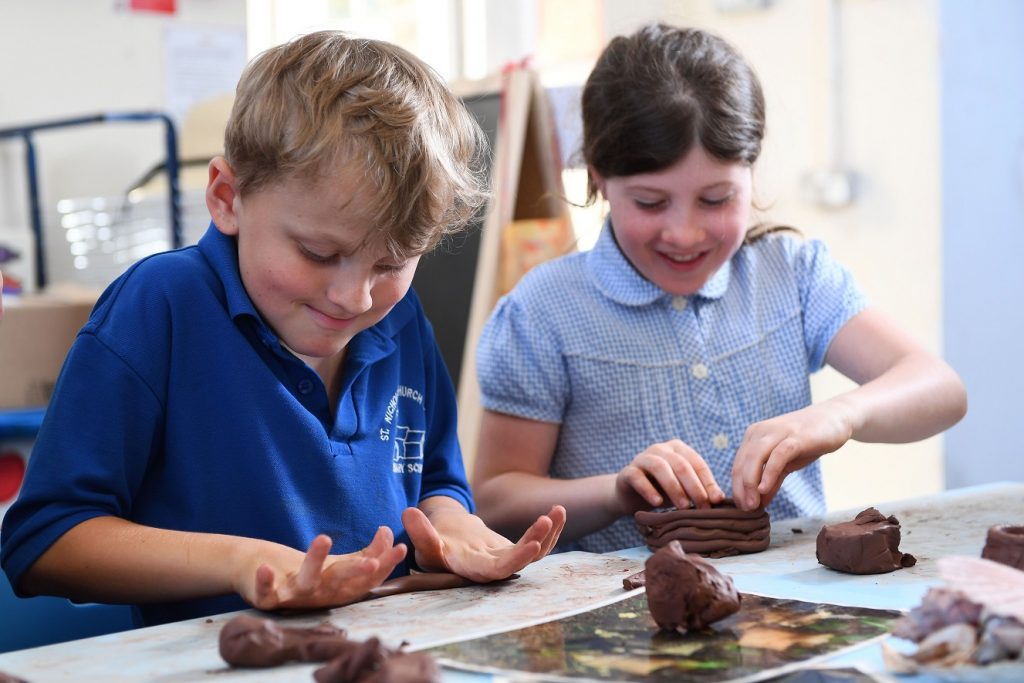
<point x="407" y="451"/>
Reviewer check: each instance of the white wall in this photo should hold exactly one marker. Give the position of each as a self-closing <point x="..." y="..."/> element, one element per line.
<point x="983" y="217"/>
<point x="65" y="58"/>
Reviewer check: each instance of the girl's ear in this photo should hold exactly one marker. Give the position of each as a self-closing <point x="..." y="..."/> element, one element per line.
<point x="222" y="196"/>
<point x="597" y="180"/>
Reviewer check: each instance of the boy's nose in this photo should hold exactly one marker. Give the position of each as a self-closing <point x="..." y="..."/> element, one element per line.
<point x="350" y="292"/>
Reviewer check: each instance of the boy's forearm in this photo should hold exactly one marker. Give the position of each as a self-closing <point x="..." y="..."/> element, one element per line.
<point x="108" y="559"/>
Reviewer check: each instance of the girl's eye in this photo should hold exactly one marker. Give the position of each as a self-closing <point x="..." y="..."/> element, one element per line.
<point x="715" y="201"/>
<point x="649" y="205"/>
<point x="314" y="256"/>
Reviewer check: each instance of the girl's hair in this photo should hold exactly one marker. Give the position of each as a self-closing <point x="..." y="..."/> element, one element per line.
<point x="326" y="102"/>
<point x="655" y="94"/>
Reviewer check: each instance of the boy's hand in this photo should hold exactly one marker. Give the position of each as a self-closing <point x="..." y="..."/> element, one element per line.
<point x="774" y="448"/>
<point x="669" y="470"/>
<point x="285" y="577"/>
<point x="447" y="538"/>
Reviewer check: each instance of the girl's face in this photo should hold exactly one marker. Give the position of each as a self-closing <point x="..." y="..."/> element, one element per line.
<point x="679" y="225"/>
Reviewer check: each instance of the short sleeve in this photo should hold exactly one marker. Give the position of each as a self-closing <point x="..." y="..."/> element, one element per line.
<point x="829" y="297"/>
<point x="519" y="363"/>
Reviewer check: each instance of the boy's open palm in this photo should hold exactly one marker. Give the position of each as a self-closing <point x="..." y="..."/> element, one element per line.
<point x="288" y="578"/>
<point x="453" y="540"/>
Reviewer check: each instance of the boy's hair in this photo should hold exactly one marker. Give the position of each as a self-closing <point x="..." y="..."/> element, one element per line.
<point x="656" y="93"/>
<point x="327" y="102"/>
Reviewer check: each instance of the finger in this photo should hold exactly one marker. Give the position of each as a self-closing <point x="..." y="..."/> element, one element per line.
<point x="779" y="464"/>
<point x="382" y="541"/>
<point x="557" y="515"/>
<point x="713" y="494"/>
<point x="425" y="540"/>
<point x="689" y="472"/>
<point x="510" y="560"/>
<point x="264" y="588"/>
<point x="313" y="564"/>
<point x="747" y="471"/>
<point x="637" y="480"/>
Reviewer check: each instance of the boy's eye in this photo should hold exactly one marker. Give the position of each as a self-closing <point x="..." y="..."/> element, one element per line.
<point x="392" y="267"/>
<point x="313" y="255"/>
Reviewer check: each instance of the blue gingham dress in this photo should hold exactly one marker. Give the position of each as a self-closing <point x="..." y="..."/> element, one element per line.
<point x="587" y="342"/>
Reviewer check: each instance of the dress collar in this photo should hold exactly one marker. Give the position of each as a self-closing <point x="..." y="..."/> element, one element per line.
<point x="618" y="280"/>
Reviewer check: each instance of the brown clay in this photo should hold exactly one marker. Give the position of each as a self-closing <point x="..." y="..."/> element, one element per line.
<point x="718" y="531"/>
<point x="685" y="592"/>
<point x="1005" y="544"/>
<point x="868" y="544"/>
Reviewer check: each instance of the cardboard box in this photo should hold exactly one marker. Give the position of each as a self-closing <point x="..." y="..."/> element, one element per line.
<point x="36" y="332"/>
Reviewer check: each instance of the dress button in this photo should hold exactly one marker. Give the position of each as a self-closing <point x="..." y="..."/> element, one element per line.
<point x="700" y="371"/>
<point x="679" y="302"/>
<point x="305" y="386"/>
<point x="721" y="441"/>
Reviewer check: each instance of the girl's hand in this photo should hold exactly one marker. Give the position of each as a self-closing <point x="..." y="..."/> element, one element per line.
<point x="669" y="470"/>
<point x="774" y="448"/>
<point x="447" y="538"/>
<point x="284" y="577"/>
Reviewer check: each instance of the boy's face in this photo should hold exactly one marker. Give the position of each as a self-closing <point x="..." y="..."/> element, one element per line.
<point x="679" y="225"/>
<point x="311" y="263"/>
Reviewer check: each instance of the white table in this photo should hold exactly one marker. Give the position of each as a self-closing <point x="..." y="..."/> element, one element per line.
<point x="951" y="523"/>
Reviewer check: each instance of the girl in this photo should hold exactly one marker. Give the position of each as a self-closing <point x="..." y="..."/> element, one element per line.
<point x="671" y="363"/>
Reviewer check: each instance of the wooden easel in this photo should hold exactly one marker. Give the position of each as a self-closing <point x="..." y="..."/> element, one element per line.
<point x="526" y="180"/>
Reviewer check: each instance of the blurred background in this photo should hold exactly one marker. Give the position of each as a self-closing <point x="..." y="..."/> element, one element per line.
<point x="895" y="134"/>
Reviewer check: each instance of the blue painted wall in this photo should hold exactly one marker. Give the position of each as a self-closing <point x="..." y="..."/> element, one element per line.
<point x="982" y="86"/>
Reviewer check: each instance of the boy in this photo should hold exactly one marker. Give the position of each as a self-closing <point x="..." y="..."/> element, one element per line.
<point x="276" y="387"/>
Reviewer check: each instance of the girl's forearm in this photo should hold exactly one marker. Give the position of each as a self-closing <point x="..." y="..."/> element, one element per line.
<point x="918" y="397"/>
<point x="510" y="502"/>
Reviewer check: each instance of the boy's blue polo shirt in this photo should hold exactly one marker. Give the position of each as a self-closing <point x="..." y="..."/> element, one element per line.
<point x="178" y="408"/>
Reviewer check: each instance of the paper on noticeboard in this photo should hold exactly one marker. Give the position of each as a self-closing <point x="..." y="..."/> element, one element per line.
<point x="200" y="64"/>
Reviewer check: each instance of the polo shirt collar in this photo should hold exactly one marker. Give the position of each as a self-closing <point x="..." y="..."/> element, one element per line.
<point x="618" y="280"/>
<point x="221" y="251"/>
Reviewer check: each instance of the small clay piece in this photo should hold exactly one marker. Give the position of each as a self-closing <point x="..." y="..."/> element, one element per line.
<point x="719" y="531"/>
<point x="371" y="662"/>
<point x="420" y="581"/>
<point x="1005" y="544"/>
<point x="868" y="544"/>
<point x="685" y="592"/>
<point x="248" y="641"/>
<point x="634" y="581"/>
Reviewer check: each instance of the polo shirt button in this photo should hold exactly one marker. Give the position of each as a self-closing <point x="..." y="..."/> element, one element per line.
<point x="721" y="441"/>
<point x="305" y="386"/>
<point x="679" y="302"/>
<point x="700" y="371"/>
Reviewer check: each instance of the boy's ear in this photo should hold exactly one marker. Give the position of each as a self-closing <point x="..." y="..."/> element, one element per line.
<point x="222" y="196"/>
